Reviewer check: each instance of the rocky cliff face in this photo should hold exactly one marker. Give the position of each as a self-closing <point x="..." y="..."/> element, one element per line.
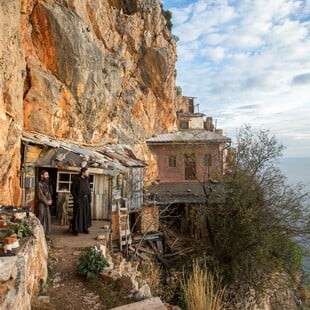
<point x="12" y="71"/>
<point x="93" y="71"/>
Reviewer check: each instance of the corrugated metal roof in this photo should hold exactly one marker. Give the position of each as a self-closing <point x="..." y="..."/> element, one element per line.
<point x="187" y="136"/>
<point x="174" y="193"/>
<point x="41" y="139"/>
<point x="92" y="157"/>
<point x="122" y="153"/>
<point x="190" y="115"/>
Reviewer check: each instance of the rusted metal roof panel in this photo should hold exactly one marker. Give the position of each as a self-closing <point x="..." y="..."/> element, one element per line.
<point x="188" y="136"/>
<point x="174" y="193"/>
<point x="64" y="151"/>
<point x="41" y="139"/>
<point x="123" y="153"/>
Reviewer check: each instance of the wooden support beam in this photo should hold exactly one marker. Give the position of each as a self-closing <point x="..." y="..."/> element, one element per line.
<point x="158" y="255"/>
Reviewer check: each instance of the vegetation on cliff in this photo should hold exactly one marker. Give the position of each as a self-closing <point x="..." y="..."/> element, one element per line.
<point x="253" y="226"/>
<point x="168" y="16"/>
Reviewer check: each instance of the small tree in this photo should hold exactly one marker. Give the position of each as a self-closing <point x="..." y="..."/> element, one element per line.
<point x="256" y="216"/>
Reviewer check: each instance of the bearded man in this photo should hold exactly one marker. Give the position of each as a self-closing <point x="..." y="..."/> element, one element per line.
<point x="44" y="201"/>
<point x="81" y="192"/>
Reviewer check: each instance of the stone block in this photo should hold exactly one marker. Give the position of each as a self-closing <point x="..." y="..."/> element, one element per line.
<point x="148" y="304"/>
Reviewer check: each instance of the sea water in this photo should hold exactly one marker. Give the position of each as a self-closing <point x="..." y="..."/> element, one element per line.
<point x="297" y="170"/>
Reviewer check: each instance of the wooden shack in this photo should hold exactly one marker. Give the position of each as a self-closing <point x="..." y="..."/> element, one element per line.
<point x="116" y="175"/>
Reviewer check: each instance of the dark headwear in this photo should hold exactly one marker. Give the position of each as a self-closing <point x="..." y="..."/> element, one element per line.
<point x="43" y="171"/>
<point x="84" y="169"/>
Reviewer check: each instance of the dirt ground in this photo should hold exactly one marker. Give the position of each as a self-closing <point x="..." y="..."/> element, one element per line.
<point x="65" y="290"/>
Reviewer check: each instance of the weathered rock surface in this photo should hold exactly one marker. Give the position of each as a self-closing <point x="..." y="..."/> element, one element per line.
<point x="151" y="304"/>
<point x="98" y="71"/>
<point x="24" y="272"/>
<point x="93" y="71"/>
<point x="278" y="294"/>
<point x="12" y="72"/>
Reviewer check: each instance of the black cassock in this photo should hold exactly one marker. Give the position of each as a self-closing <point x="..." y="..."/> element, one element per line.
<point x="81" y="192"/>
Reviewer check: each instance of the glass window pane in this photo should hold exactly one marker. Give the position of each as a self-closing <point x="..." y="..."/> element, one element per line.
<point x="184" y="125"/>
<point x="207" y="160"/>
<point x="63" y="187"/>
<point x="64" y="177"/>
<point x="172" y="161"/>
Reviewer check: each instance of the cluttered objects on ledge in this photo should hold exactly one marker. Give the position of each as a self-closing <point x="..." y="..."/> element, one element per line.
<point x="14" y="226"/>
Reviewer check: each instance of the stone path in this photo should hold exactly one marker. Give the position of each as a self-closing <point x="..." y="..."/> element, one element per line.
<point x="61" y="237"/>
<point x="65" y="290"/>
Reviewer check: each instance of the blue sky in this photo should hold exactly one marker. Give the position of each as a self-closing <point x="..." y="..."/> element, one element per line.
<point x="248" y="62"/>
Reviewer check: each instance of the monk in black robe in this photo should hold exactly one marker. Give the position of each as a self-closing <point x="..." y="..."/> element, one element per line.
<point x="81" y="192"/>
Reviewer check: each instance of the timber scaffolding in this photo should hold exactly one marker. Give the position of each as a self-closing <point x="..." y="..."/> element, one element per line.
<point x="166" y="247"/>
<point x="163" y="234"/>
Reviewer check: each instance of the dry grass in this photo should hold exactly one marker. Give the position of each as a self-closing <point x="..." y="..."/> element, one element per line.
<point x="201" y="290"/>
<point x="151" y="273"/>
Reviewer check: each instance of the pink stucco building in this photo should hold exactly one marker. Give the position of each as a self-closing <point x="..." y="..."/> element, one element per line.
<point x="190" y="162"/>
<point x="194" y="153"/>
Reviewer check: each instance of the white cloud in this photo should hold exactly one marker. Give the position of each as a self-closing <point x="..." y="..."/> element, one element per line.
<point x="247" y="61"/>
<point x="216" y="54"/>
<point x="290" y="32"/>
<point x="198" y="19"/>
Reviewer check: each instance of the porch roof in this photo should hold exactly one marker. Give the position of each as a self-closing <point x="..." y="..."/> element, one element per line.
<point x="65" y="153"/>
<point x="175" y="193"/>
<point x="189" y="136"/>
<point x="122" y="153"/>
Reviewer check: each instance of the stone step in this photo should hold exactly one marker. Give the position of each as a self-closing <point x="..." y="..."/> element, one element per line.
<point x="147" y="304"/>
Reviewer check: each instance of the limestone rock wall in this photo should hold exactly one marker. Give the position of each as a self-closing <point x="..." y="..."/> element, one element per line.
<point x="12" y="71"/>
<point x="93" y="71"/>
<point x="98" y="71"/>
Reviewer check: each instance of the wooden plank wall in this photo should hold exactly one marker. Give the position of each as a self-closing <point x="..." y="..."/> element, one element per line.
<point x="135" y="187"/>
<point x="101" y="200"/>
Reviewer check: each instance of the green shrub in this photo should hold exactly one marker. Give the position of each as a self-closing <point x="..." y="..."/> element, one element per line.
<point x="91" y="262"/>
<point x="178" y="90"/>
<point x="21" y="229"/>
<point x="168" y="16"/>
<point x="175" y="38"/>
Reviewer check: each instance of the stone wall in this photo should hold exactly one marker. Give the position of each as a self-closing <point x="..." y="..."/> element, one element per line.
<point x="21" y="275"/>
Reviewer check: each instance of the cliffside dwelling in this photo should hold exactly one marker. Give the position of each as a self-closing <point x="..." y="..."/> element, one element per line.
<point x="116" y="176"/>
<point x="189" y="161"/>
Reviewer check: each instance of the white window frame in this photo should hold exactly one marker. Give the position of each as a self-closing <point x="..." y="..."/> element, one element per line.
<point x="69" y="182"/>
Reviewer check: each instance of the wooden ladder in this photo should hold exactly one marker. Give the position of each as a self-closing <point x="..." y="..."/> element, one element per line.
<point x="124" y="229"/>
